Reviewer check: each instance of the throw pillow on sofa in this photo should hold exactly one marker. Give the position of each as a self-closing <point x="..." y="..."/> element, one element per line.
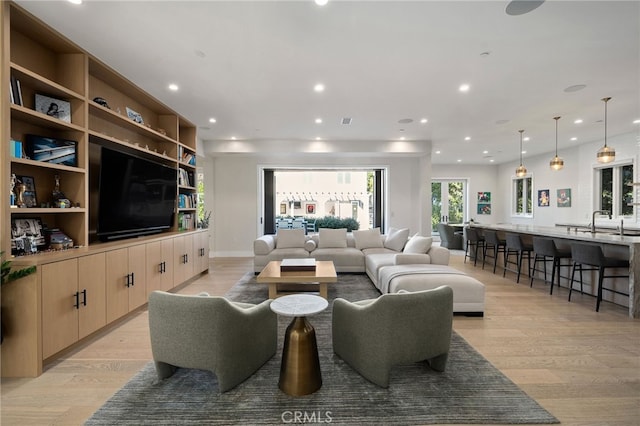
<point x="290" y="238"/>
<point x="396" y="239"/>
<point x="368" y="238"/>
<point x="332" y="238"/>
<point x="418" y="244"/>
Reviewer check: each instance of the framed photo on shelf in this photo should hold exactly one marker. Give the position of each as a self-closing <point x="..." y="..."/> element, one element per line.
<point x="51" y="150"/>
<point x="53" y="107"/>
<point x="28" y="191"/>
<point x="135" y="116"/>
<point x="26" y="235"/>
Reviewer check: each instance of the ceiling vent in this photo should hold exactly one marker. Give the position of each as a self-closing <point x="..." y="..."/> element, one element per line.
<point x="346" y="120"/>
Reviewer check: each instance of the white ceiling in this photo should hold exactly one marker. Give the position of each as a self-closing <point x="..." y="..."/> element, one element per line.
<point x="253" y="65"/>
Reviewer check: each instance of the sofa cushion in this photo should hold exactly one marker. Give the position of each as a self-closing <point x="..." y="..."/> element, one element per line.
<point x="368" y="238"/>
<point x="418" y="244"/>
<point x="290" y="238"/>
<point x="346" y="259"/>
<point x="396" y="238"/>
<point x="332" y="238"/>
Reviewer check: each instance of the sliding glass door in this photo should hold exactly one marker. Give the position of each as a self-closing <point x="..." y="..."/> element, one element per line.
<point x="448" y="202"/>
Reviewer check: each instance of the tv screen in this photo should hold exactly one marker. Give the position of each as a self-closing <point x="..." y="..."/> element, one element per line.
<point x="137" y="196"/>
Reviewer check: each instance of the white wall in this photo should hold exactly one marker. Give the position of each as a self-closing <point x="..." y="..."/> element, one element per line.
<point x="576" y="174"/>
<point x="236" y="203"/>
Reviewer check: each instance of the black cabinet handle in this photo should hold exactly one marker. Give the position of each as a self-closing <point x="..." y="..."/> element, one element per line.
<point x="84" y="297"/>
<point x="128" y="284"/>
<point x="133" y="280"/>
<point x="77" y="297"/>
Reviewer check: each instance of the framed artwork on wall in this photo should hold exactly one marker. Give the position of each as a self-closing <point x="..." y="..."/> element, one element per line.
<point x="564" y="197"/>
<point x="543" y="198"/>
<point x="484" y="208"/>
<point x="311" y="209"/>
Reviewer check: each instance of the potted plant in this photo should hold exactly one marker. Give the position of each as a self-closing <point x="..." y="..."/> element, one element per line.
<point x="8" y="275"/>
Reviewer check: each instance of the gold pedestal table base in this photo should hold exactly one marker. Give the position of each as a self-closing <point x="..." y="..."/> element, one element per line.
<point x="300" y="369"/>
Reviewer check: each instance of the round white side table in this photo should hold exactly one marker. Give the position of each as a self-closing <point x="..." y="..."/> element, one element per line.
<point x="300" y="368"/>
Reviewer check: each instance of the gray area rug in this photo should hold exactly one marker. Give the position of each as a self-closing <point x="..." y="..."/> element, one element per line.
<point x="470" y="391"/>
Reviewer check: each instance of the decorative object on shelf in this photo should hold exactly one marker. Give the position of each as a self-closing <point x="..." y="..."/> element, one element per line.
<point x="27" y="188"/>
<point x="52" y="150"/>
<point x="12" y="194"/>
<point x="521" y="170"/>
<point x="134" y="116"/>
<point x="606" y="154"/>
<point x="26" y="235"/>
<point x="556" y="162"/>
<point x="163" y="132"/>
<point x="101" y="101"/>
<point x="543" y="198"/>
<point x="57" y="240"/>
<point x="60" y="200"/>
<point x="564" y="197"/>
<point x="53" y="107"/>
<point x="204" y="222"/>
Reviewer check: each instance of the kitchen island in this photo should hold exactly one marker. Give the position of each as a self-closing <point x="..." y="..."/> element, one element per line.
<point x="614" y="245"/>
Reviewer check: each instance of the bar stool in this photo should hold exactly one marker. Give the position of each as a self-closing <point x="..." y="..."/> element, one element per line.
<point x="475" y="241"/>
<point x="517" y="247"/>
<point x="495" y="244"/>
<point x="546" y="251"/>
<point x="593" y="256"/>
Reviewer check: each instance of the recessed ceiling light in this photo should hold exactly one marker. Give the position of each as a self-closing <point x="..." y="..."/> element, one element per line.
<point x="423" y="120"/>
<point x="438" y="152"/>
<point x="318" y="88"/>
<point x="321" y="2"/>
<point x="464" y="88"/>
<point x="402" y="138"/>
<point x="318" y="120"/>
<point x="75" y="1"/>
<point x="636" y="121"/>
<point x="526" y="138"/>
<point x="173" y="87"/>
<point x="574" y="138"/>
<point x="524" y="152"/>
<point x="213" y="120"/>
<point x="492" y="160"/>
<point x="578" y="121"/>
<point x="233" y="138"/>
<point x="318" y="138"/>
<point x="485" y="152"/>
<point x="467" y="138"/>
<point x="459" y="160"/>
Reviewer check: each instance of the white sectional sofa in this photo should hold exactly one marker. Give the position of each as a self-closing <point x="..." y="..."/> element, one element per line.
<point x="393" y="262"/>
<point x="349" y="251"/>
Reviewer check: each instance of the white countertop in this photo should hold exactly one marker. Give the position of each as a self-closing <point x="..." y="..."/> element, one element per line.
<point x="299" y="305"/>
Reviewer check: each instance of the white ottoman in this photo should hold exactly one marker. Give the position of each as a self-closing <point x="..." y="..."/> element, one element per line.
<point x="468" y="293"/>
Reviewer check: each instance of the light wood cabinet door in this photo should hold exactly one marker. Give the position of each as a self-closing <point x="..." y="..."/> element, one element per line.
<point x="59" y="306"/>
<point x="138" y="269"/>
<point x="117" y="283"/>
<point x="200" y="252"/>
<point x="92" y="289"/>
<point x="160" y="266"/>
<point x="179" y="257"/>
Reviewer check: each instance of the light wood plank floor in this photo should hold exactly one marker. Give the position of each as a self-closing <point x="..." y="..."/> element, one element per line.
<point x="582" y="366"/>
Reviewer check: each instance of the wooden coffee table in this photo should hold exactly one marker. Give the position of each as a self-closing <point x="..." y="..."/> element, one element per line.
<point x="324" y="274"/>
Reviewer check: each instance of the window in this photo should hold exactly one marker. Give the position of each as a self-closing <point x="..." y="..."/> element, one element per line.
<point x="522" y="196"/>
<point x="614" y="189"/>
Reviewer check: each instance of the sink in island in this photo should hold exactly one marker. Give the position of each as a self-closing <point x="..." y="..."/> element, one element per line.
<point x="624" y="246"/>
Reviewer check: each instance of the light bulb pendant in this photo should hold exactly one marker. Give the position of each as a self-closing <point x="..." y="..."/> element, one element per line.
<point x="556" y="162"/>
<point x="521" y="170"/>
<point x="606" y="154"/>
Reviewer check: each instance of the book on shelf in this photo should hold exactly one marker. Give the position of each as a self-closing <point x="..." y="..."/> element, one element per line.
<point x="186" y="201"/>
<point x="185" y="178"/>
<point x="186" y="157"/>
<point x="15" y="148"/>
<point x="16" y="91"/>
<point x="185" y="221"/>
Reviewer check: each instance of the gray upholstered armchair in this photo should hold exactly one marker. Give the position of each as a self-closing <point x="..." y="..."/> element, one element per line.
<point x="449" y="238"/>
<point x="397" y="328"/>
<point x="232" y="340"/>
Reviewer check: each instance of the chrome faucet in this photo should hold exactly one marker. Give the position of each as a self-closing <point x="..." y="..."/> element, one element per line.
<point x="593" y="218"/>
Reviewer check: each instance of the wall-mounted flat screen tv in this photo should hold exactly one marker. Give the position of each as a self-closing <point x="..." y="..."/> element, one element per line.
<point x="137" y="196"/>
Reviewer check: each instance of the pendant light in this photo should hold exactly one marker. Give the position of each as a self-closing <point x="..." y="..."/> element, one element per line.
<point x="606" y="154"/>
<point x="556" y="163"/>
<point x="521" y="170"/>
